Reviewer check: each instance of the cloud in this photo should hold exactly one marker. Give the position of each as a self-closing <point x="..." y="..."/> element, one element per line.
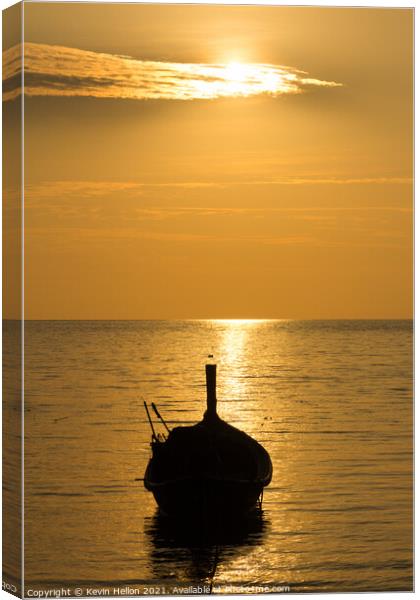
<point x="62" y="71"/>
<point x="90" y="189"/>
<point x="156" y="201"/>
<point x="129" y="211"/>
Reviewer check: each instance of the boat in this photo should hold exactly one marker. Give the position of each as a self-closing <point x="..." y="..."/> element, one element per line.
<point x="207" y="469"/>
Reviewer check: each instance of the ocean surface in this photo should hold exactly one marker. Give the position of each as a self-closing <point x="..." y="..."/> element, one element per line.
<point x="330" y="400"/>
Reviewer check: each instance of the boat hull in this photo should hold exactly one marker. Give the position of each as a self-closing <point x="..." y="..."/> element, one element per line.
<point x="204" y="498"/>
<point x="208" y="469"/>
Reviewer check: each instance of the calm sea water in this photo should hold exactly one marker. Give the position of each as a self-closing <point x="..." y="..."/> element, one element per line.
<point x="330" y="400"/>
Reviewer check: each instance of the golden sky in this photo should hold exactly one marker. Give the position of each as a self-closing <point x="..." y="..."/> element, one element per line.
<point x="216" y="161"/>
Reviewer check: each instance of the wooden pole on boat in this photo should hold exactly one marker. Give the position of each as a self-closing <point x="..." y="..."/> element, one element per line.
<point x="211" y="390"/>
<point x="159" y="416"/>
<point x="154" y="437"/>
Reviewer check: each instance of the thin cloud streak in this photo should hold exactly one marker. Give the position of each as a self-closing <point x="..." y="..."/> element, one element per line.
<point x="62" y="71"/>
<point x="64" y="235"/>
<point x="73" y="196"/>
<point x="155" y="236"/>
<point x="88" y="189"/>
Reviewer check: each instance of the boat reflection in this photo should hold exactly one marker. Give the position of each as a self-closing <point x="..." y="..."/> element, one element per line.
<point x="188" y="553"/>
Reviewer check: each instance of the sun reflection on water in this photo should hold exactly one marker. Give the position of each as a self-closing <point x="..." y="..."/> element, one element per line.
<point x="235" y="360"/>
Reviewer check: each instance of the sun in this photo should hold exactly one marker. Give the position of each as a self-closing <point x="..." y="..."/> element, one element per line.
<point x="236" y="71"/>
<point x="239" y="77"/>
<point x="246" y="79"/>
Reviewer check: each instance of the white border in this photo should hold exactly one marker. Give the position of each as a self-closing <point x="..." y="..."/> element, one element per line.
<point x="359" y="4"/>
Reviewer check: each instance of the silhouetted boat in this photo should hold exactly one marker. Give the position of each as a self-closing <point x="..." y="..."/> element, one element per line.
<point x="207" y="469"/>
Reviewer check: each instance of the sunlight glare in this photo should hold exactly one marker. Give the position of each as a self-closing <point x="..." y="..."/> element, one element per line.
<point x="240" y="321"/>
<point x="241" y="79"/>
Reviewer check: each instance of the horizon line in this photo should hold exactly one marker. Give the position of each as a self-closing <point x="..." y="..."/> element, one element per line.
<point x="223" y="319"/>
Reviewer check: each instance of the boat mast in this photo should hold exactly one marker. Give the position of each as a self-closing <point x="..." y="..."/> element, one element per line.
<point x="211" y="391"/>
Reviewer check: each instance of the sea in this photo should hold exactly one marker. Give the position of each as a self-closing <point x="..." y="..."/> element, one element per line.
<point x="331" y="401"/>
